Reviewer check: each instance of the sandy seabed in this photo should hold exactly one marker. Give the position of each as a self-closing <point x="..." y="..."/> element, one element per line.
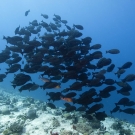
<point x="26" y="116"/>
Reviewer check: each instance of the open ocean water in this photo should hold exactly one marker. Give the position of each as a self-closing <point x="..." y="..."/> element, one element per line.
<point x="109" y="23"/>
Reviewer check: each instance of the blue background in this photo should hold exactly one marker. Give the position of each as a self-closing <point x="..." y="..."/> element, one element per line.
<point x="110" y="23"/>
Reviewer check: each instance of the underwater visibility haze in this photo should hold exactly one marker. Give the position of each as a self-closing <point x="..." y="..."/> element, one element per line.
<point x="64" y="49"/>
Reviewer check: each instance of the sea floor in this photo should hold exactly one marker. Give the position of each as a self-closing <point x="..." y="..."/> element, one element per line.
<point x="27" y="116"/>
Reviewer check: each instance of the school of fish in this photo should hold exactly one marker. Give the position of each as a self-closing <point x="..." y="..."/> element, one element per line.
<point x="59" y="53"/>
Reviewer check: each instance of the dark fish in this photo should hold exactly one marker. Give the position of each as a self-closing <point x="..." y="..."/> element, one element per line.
<point x="81" y="109"/>
<point x="20" y="79"/>
<point x="96" y="46"/>
<point x="119" y="72"/>
<point x="45" y="16"/>
<point x="58" y="77"/>
<point x="64" y="80"/>
<point x="128" y="111"/>
<point x="99" y="75"/>
<point x="14" y="55"/>
<point x="2" y="76"/>
<point x="34" y="87"/>
<point x="129" y="78"/>
<point x="113" y="51"/>
<point x="96" y="82"/>
<point x="14" y="49"/>
<point x="89" y="94"/>
<point x="104" y="94"/>
<point x="94" y="108"/>
<point x="110" y="68"/>
<point x="126" y="65"/>
<point x="87" y="116"/>
<point x="51" y="85"/>
<point x="44" y="24"/>
<point x="115" y="109"/>
<point x="80" y="27"/>
<point x="87" y="40"/>
<point x="91" y="66"/>
<point x="82" y="76"/>
<point x="104" y="62"/>
<point x="14" y="68"/>
<point x="125" y="93"/>
<point x="54" y="96"/>
<point x="34" y="23"/>
<point x="26" y="87"/>
<point x="64" y="21"/>
<point x="13" y="40"/>
<point x="27" y="12"/>
<point x="76" y="86"/>
<point x="122" y="101"/>
<point x="130" y="103"/>
<point x="126" y="88"/>
<point x="17" y="30"/>
<point x="100" y="115"/>
<point x="108" y="89"/>
<point x="69" y="108"/>
<point x="122" y="84"/>
<point x="83" y="101"/>
<point x="70" y="95"/>
<point x="51" y="105"/>
<point x="109" y="81"/>
<point x="98" y="99"/>
<point x="68" y="27"/>
<point x="58" y="17"/>
<point x="96" y="55"/>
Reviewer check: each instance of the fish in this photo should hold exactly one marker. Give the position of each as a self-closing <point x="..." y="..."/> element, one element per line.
<point x="113" y="51"/>
<point x="54" y="96"/>
<point x="109" y="81"/>
<point x="129" y="78"/>
<point x="45" y="16"/>
<point x="80" y="27"/>
<point x="122" y="101"/>
<point x="44" y="79"/>
<point x="103" y="62"/>
<point x="26" y="87"/>
<point x="128" y="111"/>
<point x="69" y="108"/>
<point x="13" y="68"/>
<point x="116" y="109"/>
<point x="96" y="46"/>
<point x="126" y="65"/>
<point x="64" y="21"/>
<point x="67" y="99"/>
<point x="130" y="103"/>
<point x="57" y="16"/>
<point x="94" y="108"/>
<point x="100" y="115"/>
<point x="110" y="68"/>
<point x="27" y="12"/>
<point x="70" y="95"/>
<point x="51" y="105"/>
<point x="81" y="108"/>
<point x="120" y="72"/>
<point x="17" y="30"/>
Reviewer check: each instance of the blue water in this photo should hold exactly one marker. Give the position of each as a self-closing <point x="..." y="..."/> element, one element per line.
<point x="110" y="23"/>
